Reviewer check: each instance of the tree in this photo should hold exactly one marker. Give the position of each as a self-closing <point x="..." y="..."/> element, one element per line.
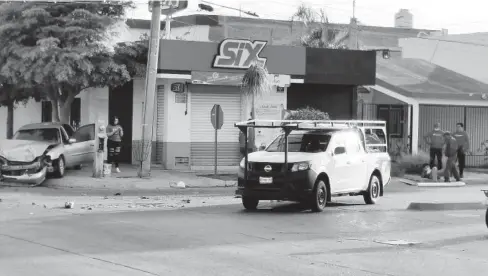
<point x="255" y="83"/>
<point x="64" y="48"/>
<point x="318" y="33"/>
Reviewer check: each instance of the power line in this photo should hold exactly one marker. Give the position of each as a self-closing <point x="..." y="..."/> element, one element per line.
<point x="231" y="8"/>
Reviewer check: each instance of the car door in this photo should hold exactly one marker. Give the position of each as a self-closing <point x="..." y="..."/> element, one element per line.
<point x="85" y="141"/>
<point x="338" y="168"/>
<point x="356" y="161"/>
<point x="71" y="152"/>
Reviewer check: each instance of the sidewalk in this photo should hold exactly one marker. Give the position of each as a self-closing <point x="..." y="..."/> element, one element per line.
<point x="128" y="180"/>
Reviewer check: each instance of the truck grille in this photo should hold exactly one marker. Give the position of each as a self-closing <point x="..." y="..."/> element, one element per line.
<point x="275" y="167"/>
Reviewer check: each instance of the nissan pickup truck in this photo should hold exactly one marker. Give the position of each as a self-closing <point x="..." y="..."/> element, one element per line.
<point x="312" y="161"/>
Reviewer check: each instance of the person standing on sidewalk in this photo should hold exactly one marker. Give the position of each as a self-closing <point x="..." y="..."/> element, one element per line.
<point x="436" y="142"/>
<point x="115" y="134"/>
<point x="462" y="139"/>
<point x="451" y="154"/>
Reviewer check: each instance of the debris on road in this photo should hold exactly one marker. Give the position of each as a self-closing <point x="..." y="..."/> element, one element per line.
<point x="186" y="200"/>
<point x="179" y="185"/>
<point x="69" y="205"/>
<point x="117" y="194"/>
<point x="144" y="197"/>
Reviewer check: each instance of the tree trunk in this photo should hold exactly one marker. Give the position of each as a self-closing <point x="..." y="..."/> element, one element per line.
<point x="55" y="111"/>
<point x="10" y="120"/>
<point x="65" y="112"/>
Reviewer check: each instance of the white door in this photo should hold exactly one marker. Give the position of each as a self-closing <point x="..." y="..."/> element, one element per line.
<point x="356" y="161"/>
<point x="338" y="169"/>
<point x="85" y="143"/>
<point x="203" y="98"/>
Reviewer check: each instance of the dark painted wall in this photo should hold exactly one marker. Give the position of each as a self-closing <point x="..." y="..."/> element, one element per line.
<point x="345" y="67"/>
<point x="337" y="100"/>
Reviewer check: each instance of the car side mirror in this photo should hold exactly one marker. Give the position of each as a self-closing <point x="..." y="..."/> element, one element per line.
<point x="339" y="150"/>
<point x="262" y="147"/>
<point x="72" y="140"/>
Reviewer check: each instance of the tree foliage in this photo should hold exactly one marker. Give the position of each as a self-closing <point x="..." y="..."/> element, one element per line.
<point x="63" y="48"/>
<point x="318" y="32"/>
<point x="307" y="113"/>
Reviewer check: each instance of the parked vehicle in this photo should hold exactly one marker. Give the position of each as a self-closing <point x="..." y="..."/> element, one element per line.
<point x="486" y="204"/>
<point x="37" y="150"/>
<point x="311" y="161"/>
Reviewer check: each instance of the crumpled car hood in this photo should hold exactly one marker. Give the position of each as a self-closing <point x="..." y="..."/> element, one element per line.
<point x="21" y="150"/>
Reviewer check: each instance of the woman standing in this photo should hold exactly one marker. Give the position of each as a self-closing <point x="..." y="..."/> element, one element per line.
<point x="115" y="134"/>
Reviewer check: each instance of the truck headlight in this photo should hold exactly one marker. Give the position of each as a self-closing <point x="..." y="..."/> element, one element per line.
<point x="301" y="166"/>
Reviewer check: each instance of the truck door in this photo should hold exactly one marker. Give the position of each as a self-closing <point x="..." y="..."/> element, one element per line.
<point x="357" y="162"/>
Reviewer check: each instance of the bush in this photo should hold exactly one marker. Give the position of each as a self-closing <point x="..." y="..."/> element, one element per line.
<point x="308" y="113"/>
<point x="409" y="164"/>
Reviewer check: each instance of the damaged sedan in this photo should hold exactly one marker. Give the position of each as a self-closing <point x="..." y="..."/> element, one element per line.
<point x="39" y="150"/>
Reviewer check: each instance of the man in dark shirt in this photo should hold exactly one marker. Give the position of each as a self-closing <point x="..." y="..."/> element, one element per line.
<point x="462" y="139"/>
<point x="436" y="141"/>
<point x="451" y="154"/>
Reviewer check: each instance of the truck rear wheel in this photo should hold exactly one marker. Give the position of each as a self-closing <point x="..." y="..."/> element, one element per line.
<point x="319" y="199"/>
<point x="250" y="203"/>
<point x="372" y="195"/>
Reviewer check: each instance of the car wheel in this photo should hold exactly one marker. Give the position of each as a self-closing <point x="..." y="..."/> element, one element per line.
<point x="77" y="167"/>
<point x="250" y="203"/>
<point x="319" y="200"/>
<point x="59" y="167"/>
<point x="372" y="195"/>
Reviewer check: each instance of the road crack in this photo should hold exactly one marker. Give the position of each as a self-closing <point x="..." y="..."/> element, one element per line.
<point x="80" y="255"/>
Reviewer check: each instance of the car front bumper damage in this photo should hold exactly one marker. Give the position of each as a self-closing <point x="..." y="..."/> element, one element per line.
<point x="24" y="176"/>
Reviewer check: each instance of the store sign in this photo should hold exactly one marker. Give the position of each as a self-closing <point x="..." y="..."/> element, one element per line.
<point x="239" y="54"/>
<point x="214" y="78"/>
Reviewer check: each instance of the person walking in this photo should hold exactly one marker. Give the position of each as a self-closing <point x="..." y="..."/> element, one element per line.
<point x="451" y="154"/>
<point x="436" y="142"/>
<point x="462" y="139"/>
<point x="115" y="133"/>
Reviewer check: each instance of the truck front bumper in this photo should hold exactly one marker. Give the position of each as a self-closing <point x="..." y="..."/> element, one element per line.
<point x="297" y="186"/>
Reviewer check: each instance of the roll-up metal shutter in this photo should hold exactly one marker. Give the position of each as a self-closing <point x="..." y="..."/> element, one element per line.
<point x="160" y="124"/>
<point x="203" y="97"/>
<point x="447" y="116"/>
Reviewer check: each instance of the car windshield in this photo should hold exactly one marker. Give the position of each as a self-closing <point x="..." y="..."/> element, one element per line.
<point x="301" y="142"/>
<point x="41" y="135"/>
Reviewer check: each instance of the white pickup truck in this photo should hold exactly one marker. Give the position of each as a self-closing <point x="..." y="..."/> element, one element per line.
<point x="311" y="161"/>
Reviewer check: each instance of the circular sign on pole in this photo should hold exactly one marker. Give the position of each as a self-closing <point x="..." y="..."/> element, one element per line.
<point x="217" y="116"/>
<point x="170" y="6"/>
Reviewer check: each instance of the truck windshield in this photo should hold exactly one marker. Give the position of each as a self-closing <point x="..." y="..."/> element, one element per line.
<point x="308" y="142"/>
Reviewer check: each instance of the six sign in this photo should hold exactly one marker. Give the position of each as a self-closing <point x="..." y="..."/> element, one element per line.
<point x="239" y="54"/>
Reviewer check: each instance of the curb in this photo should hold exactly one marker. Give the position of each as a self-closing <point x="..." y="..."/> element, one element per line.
<point x="454" y="206"/>
<point x="431" y="184"/>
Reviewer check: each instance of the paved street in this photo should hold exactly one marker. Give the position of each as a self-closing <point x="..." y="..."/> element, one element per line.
<point x="349" y="238"/>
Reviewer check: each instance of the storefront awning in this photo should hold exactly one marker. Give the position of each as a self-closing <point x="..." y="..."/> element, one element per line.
<point x="420" y="79"/>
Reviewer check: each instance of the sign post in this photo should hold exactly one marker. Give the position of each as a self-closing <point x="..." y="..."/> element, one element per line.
<point x="217" y="118"/>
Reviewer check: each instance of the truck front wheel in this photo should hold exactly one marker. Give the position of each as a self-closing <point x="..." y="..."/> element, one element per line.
<point x="250" y="203"/>
<point x="319" y="197"/>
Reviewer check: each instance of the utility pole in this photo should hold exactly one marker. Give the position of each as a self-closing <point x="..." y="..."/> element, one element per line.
<point x="151" y="75"/>
<point x="353" y="8"/>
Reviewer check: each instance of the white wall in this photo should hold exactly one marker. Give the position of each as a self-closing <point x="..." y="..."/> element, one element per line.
<point x="177" y="124"/>
<point x="23" y="115"/>
<point x="466" y="59"/>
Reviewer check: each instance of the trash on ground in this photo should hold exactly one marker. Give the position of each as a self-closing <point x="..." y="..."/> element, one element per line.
<point x="117" y="194"/>
<point x="69" y="205"/>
